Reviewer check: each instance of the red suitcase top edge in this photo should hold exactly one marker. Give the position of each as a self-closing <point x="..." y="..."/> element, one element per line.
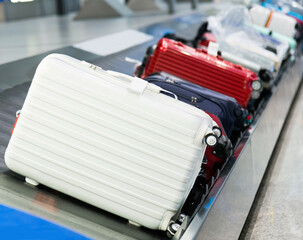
<point x="196" y="66"/>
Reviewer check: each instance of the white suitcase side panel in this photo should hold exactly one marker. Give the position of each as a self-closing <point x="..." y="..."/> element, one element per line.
<point x="259" y="16"/>
<point x="279" y="22"/>
<point x="132" y="155"/>
<point x="259" y="60"/>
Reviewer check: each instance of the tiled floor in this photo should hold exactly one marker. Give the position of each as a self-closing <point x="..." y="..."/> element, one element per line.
<point x="278" y="211"/>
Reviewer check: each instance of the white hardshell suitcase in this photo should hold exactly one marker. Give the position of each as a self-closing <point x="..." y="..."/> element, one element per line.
<point x="247" y="59"/>
<point x="236" y="40"/>
<point x="231" y="27"/>
<point x="274" y="21"/>
<point x="110" y="140"/>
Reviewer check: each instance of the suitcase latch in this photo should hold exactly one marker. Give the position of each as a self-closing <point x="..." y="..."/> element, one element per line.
<point x="89" y="65"/>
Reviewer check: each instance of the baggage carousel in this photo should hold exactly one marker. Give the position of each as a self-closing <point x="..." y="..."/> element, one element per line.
<point x="223" y="211"/>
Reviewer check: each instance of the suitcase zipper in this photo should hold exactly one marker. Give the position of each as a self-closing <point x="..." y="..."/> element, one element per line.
<point x="221" y="106"/>
<point x="192" y="99"/>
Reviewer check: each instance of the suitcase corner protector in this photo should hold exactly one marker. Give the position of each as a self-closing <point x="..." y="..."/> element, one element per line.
<point x="168" y="215"/>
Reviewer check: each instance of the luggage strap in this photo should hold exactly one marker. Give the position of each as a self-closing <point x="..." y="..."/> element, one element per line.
<point x="269" y="19"/>
<point x="17" y="117"/>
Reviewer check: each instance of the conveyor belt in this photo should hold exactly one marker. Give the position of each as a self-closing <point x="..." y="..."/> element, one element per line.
<point x="10" y="101"/>
<point x="45" y="202"/>
<point x="225" y="209"/>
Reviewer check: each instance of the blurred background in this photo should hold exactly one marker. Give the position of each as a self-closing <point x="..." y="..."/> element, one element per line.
<point x="30" y="27"/>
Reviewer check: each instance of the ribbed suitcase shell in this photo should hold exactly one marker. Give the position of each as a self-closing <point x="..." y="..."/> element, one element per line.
<point x="196" y="66"/>
<point x="101" y="137"/>
<point x="240" y="56"/>
<point x="279" y="22"/>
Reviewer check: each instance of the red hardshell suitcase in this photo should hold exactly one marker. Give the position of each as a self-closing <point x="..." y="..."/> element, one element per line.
<point x="213" y="162"/>
<point x="196" y="66"/>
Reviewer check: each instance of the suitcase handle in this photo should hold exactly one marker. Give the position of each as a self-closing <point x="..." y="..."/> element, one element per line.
<point x="138" y="85"/>
<point x="118" y="74"/>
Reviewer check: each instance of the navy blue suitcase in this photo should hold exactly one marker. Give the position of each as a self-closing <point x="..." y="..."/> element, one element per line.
<point x="232" y="116"/>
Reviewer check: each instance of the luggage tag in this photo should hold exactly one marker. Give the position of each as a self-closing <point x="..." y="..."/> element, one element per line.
<point x="213" y="49"/>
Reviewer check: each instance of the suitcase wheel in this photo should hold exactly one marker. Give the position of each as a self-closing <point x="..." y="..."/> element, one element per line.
<point x="172" y="229"/>
<point x="256" y="85"/>
<point x="181" y="218"/>
<point x="211" y="140"/>
<point x="217" y="131"/>
<point x="31" y="181"/>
